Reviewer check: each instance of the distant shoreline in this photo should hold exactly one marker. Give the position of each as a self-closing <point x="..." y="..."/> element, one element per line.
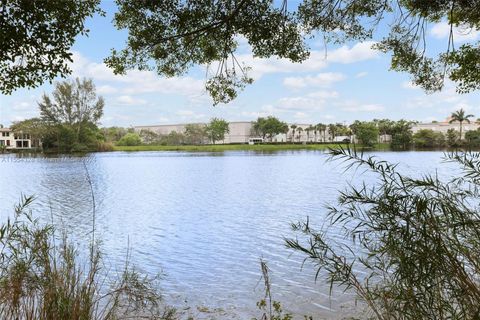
<point x="239" y="147"/>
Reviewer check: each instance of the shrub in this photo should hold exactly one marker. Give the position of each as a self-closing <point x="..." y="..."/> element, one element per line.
<point x="453" y="138"/>
<point x="427" y="138"/>
<point x="367" y="133"/>
<point x="416" y="241"/>
<point x="473" y="138"/>
<point x="130" y="139"/>
<point x="43" y="279"/>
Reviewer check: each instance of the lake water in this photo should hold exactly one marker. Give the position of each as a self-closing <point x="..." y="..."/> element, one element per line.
<point x="205" y="220"/>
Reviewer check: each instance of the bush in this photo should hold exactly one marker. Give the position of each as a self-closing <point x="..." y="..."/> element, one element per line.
<point x="453" y="138"/>
<point x="130" y="139"/>
<point x="42" y="279"/>
<point x="366" y="133"/>
<point x="416" y="241"/>
<point x="473" y="138"/>
<point x="427" y="138"/>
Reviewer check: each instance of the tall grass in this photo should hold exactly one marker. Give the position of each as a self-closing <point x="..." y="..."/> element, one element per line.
<point x="42" y="277"/>
<point x="417" y="241"/>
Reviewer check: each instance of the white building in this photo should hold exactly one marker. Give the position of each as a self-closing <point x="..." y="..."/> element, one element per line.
<point x="242" y="131"/>
<point x="443" y="127"/>
<point x="10" y="140"/>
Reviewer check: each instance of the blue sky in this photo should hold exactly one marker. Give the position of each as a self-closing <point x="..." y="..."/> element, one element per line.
<point x="352" y="82"/>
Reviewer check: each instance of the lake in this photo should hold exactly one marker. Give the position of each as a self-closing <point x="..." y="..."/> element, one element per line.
<point x="202" y="219"/>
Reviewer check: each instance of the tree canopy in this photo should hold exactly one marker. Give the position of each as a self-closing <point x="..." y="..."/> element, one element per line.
<point x="269" y="127"/>
<point x="216" y="129"/>
<point x="36" y="39"/>
<point x="171" y="36"/>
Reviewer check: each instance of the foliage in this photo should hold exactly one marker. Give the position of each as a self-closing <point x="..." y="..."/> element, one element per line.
<point x="366" y="133"/>
<point x="75" y="103"/>
<point x="472" y="138"/>
<point x="453" y="138"/>
<point x="427" y="138"/>
<point x="113" y="134"/>
<point x="41" y="277"/>
<point x="179" y="35"/>
<point x="148" y="136"/>
<point x="216" y="129"/>
<point x="269" y="127"/>
<point x="36" y="39"/>
<point x="195" y="134"/>
<point x="460" y="117"/>
<point x="130" y="139"/>
<point x="68" y="123"/>
<point x="415" y="241"/>
<point x="173" y="139"/>
<point x="401" y="132"/>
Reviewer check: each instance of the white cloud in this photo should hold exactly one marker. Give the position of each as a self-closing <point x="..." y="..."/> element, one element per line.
<point x="359" y="52"/>
<point x="441" y="30"/>
<point x="320" y="80"/>
<point x="300" y="103"/>
<point x="318" y="60"/>
<point x="323" y="94"/>
<point x="300" y="115"/>
<point x="135" y="81"/>
<point x="189" y="115"/>
<point x="106" y="89"/>
<point x="361" y="74"/>
<point x="23" y="105"/>
<point x="353" y="106"/>
<point x="129" y="100"/>
<point x="441" y="101"/>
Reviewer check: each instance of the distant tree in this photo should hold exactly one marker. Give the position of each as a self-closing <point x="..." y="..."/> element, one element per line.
<point x="322" y="128"/>
<point x="453" y="137"/>
<point x="309" y="129"/>
<point x="461" y="117"/>
<point x="148" y="136"/>
<point x="35" y="127"/>
<point x="113" y="134"/>
<point x="195" y="134"/>
<point x="472" y="138"/>
<point x="332" y="131"/>
<point x="216" y="129"/>
<point x="130" y="139"/>
<point x="285" y="128"/>
<point x="294" y="128"/>
<point x="427" y="138"/>
<point x="402" y="135"/>
<point x="367" y="133"/>
<point x="75" y="103"/>
<point x="269" y="127"/>
<point x="36" y="38"/>
<point x="299" y="130"/>
<point x="174" y="138"/>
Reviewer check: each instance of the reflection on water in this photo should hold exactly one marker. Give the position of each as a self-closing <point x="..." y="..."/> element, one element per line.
<point x="203" y="219"/>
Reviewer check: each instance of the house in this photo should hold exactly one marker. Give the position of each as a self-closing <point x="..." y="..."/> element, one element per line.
<point x="12" y="141"/>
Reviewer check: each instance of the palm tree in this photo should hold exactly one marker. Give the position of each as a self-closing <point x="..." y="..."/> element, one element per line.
<point x="308" y="129"/>
<point x="299" y="129"/>
<point x="293" y="127"/>
<point x="332" y="130"/>
<point x="461" y="117"/>
<point x="322" y="128"/>
<point x="285" y="129"/>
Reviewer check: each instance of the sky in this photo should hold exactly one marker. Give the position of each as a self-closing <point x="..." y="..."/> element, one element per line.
<point x="352" y="82"/>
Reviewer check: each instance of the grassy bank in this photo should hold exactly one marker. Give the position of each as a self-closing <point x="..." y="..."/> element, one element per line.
<point x="236" y="147"/>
